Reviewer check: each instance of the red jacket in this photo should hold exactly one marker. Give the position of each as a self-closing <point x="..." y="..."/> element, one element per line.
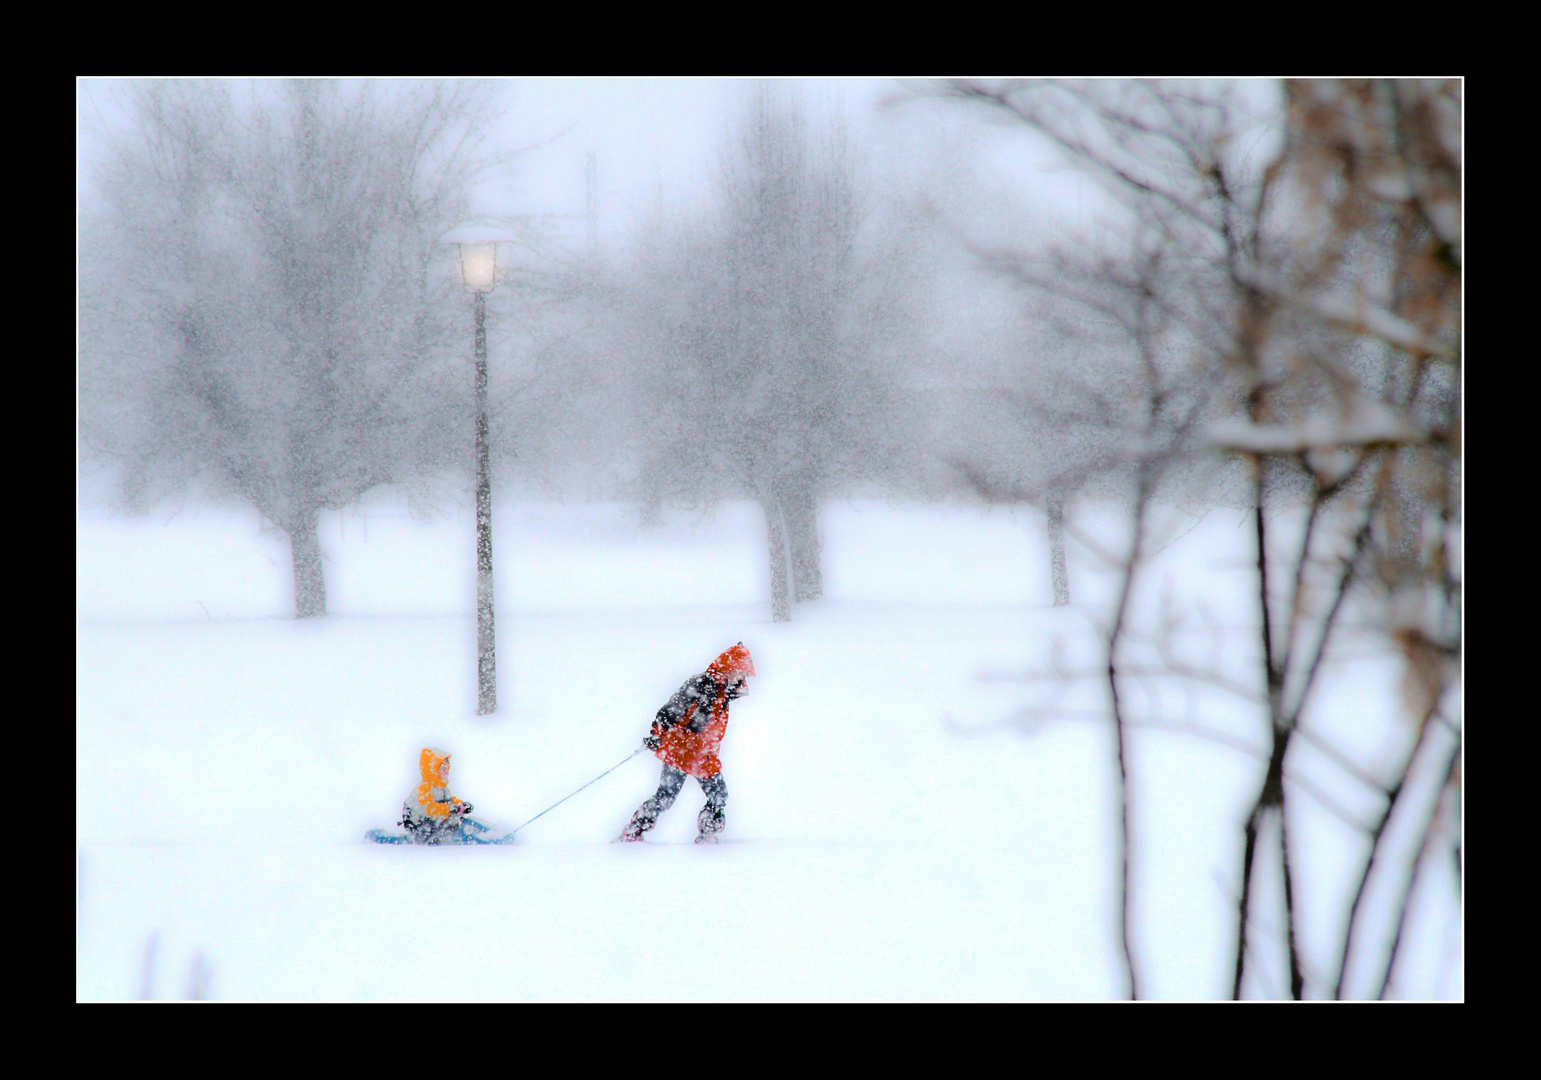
<point x="690" y="727"/>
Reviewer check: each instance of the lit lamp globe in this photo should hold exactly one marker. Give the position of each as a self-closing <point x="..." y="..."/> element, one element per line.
<point x="478" y="266"/>
<point x="478" y="254"/>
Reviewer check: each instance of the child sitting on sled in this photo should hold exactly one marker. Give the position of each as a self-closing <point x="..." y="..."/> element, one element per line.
<point x="431" y="815"/>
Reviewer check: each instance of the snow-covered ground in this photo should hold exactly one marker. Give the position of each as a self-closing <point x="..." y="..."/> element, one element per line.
<point x="897" y="838"/>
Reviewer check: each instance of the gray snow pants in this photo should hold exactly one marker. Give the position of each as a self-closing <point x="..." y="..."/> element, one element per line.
<point x="708" y="823"/>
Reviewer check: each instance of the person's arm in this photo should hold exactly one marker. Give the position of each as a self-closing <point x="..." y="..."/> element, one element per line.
<point x="683" y="707"/>
<point x="676" y="709"/>
<point x="665" y="719"/>
<point x="441" y="809"/>
<point x="704" y="691"/>
<point x="669" y="715"/>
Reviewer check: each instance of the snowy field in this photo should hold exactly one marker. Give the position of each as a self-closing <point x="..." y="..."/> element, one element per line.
<point x="895" y="838"/>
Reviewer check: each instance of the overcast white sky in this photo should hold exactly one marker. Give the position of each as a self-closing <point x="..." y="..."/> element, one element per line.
<point x="660" y="138"/>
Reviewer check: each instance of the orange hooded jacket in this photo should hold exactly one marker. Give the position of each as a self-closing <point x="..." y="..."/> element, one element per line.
<point x="432" y="799"/>
<point x="696" y="752"/>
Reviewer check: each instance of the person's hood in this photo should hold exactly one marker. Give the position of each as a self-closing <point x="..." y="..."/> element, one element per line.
<point x="734" y="661"/>
<point x="428" y="763"/>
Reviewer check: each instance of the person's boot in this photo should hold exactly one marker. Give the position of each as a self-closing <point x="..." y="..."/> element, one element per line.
<point x="708" y="825"/>
<point x="639" y="824"/>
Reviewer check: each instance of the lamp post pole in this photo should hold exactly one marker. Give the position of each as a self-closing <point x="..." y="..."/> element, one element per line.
<point x="479" y="271"/>
<point x="486" y="647"/>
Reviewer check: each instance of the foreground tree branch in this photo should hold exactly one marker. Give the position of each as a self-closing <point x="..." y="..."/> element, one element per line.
<point x="1311" y="291"/>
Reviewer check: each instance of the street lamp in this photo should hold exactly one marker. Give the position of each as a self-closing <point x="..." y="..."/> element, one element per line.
<point x="478" y="269"/>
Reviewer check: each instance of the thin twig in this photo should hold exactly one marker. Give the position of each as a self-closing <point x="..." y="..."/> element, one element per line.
<point x="1429" y="830"/>
<point x="1377" y="836"/>
<point x="1341" y="760"/>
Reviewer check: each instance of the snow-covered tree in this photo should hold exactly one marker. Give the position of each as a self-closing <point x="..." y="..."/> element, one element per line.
<point x="760" y="330"/>
<point x="263" y="304"/>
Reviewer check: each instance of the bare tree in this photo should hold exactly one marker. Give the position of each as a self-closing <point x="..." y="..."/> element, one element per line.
<point x="761" y="327"/>
<point x="1316" y="282"/>
<point x="261" y="306"/>
<point x="1140" y="400"/>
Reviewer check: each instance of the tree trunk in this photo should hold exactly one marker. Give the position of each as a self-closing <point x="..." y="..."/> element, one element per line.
<point x="776" y="533"/>
<point x="802" y="514"/>
<point x="1057" y="550"/>
<point x="309" y="579"/>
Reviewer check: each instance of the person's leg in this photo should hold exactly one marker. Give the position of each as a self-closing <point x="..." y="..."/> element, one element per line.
<point x="669" y="784"/>
<point x="437" y="832"/>
<point x="712" y="818"/>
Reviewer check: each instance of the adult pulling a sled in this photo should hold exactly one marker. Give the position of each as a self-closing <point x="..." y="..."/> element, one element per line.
<point x="686" y="735"/>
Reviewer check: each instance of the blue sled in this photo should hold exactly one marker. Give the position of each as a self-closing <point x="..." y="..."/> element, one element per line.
<point x="471" y="831"/>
